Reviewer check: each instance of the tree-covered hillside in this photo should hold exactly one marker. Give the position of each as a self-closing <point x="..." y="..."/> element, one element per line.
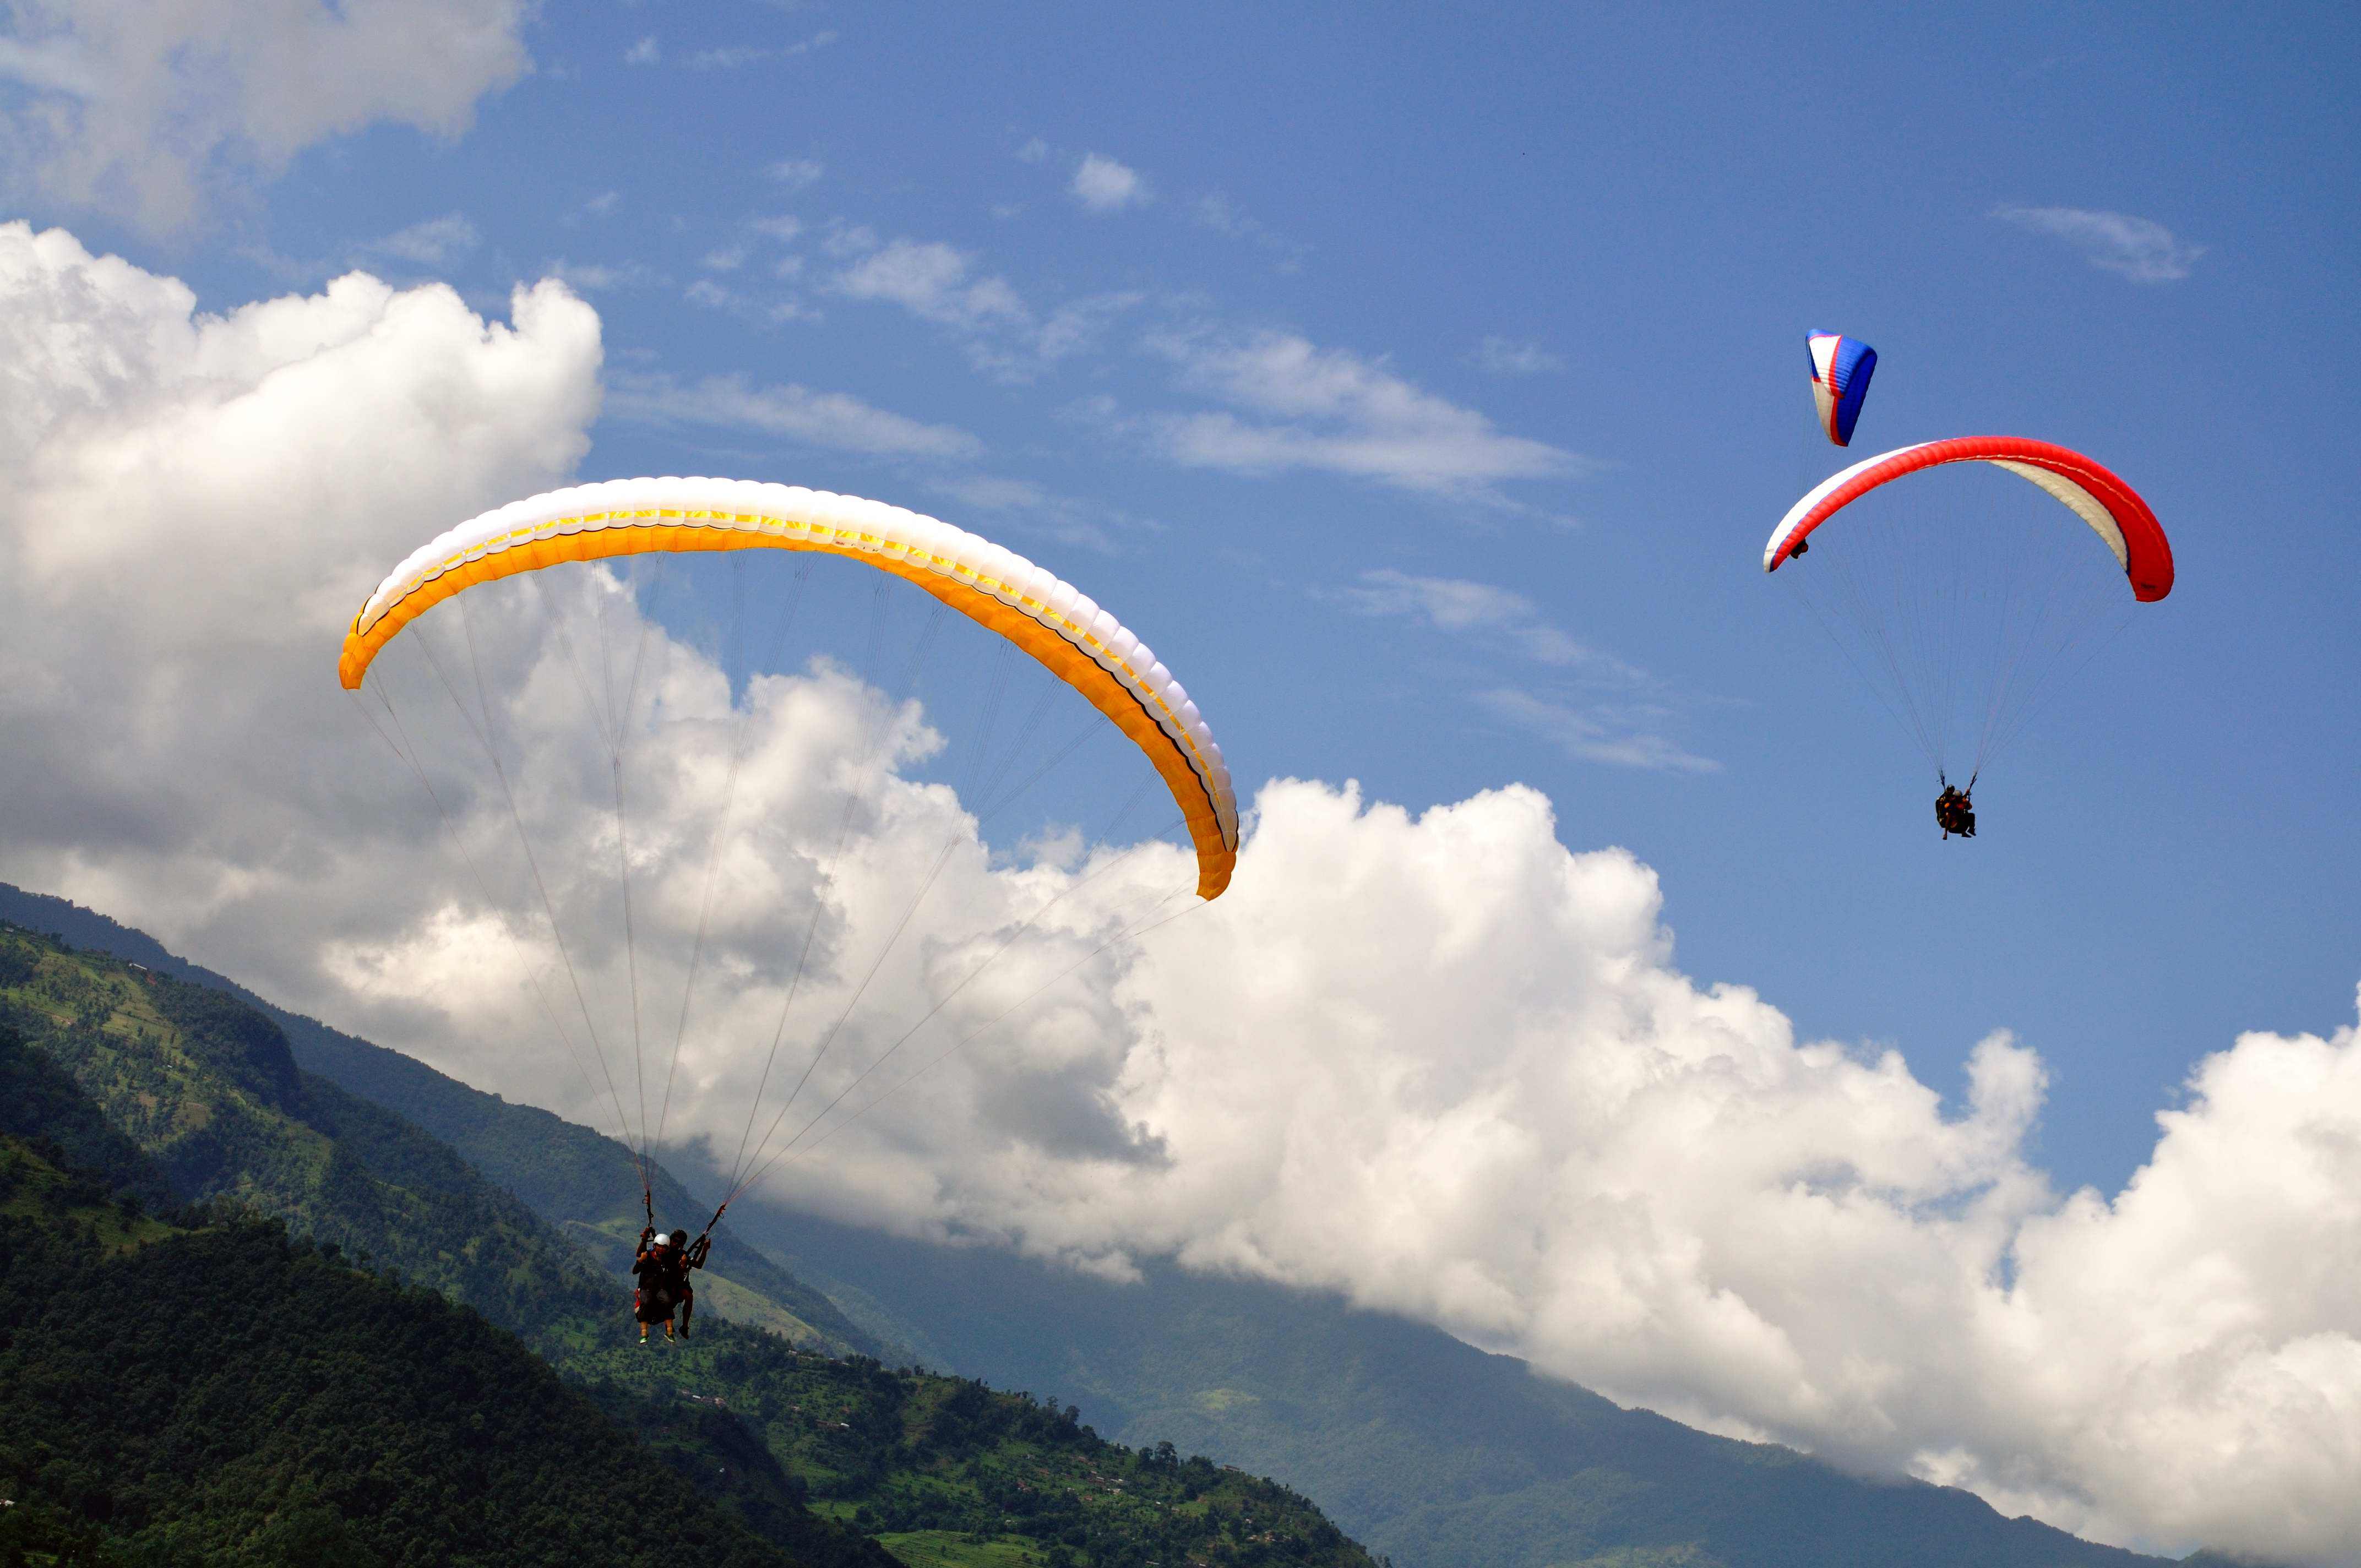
<point x="188" y="1091"/>
<point x="203" y="1390"/>
<point x="203" y="1088"/>
<point x="945" y="1470"/>
<point x="579" y="1181"/>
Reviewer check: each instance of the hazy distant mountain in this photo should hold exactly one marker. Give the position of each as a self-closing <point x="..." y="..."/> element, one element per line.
<point x="1431" y="1452"/>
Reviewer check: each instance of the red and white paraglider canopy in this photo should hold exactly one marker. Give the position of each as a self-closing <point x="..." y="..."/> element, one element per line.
<point x="2112" y="507"/>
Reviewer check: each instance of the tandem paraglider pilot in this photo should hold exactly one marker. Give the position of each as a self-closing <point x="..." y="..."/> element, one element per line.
<point x="1956" y="812"/>
<point x="662" y="1267"/>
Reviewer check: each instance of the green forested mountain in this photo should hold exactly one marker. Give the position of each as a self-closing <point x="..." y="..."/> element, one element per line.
<point x="582" y="1183"/>
<point x="41" y="1101"/>
<point x="204" y="1090"/>
<point x="945" y="1470"/>
<point x="586" y="1185"/>
<point x="184" y="1091"/>
<point x="206" y="1391"/>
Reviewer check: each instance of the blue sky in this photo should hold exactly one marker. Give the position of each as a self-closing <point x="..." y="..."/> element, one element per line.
<point x="1641" y="214"/>
<point x="1423" y="389"/>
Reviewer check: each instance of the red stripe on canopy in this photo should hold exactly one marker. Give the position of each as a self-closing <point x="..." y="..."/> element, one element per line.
<point x="2147" y="555"/>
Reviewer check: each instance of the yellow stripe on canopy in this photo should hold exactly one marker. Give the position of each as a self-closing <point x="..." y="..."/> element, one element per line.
<point x="998" y="589"/>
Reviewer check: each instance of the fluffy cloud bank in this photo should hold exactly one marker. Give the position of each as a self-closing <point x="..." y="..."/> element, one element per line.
<point x="193" y="505"/>
<point x="1437" y="1061"/>
<point x="1459" y="1078"/>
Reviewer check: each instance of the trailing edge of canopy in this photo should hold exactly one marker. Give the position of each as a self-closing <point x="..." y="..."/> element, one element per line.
<point x="2112" y="507"/>
<point x="1059" y="625"/>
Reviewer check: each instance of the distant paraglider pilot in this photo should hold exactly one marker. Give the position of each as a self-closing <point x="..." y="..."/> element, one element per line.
<point x="1955" y="811"/>
<point x="661" y="1268"/>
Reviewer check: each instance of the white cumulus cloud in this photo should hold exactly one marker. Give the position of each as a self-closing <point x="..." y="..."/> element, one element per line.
<point x="218" y="487"/>
<point x="1106" y="186"/>
<point x="148" y="108"/>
